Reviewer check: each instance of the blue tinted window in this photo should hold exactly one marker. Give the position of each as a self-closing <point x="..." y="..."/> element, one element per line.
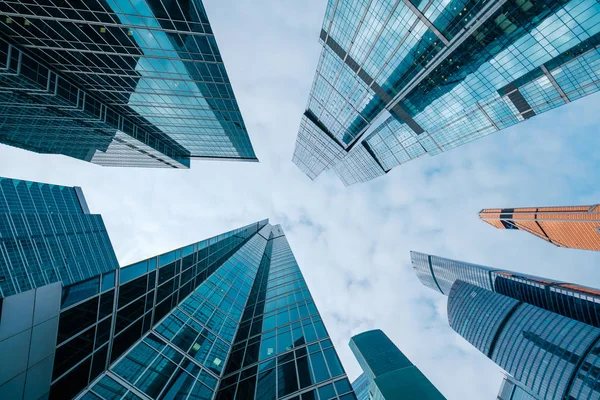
<point x="132" y="271"/>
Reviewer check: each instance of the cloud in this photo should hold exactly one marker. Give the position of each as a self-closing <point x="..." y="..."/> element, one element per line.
<point x="352" y="244"/>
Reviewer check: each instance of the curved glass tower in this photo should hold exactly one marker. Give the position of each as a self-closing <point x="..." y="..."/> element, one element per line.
<point x="403" y="78"/>
<point x="117" y="83"/>
<point x="555" y="356"/>
<point x="544" y="333"/>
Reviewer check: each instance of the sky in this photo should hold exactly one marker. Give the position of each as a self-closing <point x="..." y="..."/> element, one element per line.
<point x="352" y="244"/>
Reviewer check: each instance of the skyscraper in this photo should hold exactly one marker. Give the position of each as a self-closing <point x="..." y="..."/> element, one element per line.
<point x="47" y="234"/>
<point x="117" y="83"/>
<point x="544" y="333"/>
<point x="576" y="227"/>
<point x="554" y="356"/>
<point x="400" y="79"/>
<point x="574" y="301"/>
<point x="227" y="317"/>
<point x="389" y="373"/>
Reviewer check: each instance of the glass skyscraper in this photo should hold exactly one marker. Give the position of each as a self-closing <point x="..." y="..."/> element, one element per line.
<point x="229" y="317"/>
<point x="544" y="333"/>
<point x="47" y="234"/>
<point x="387" y="372"/>
<point x="398" y="79"/>
<point x="117" y="83"/>
<point x="576" y="227"/>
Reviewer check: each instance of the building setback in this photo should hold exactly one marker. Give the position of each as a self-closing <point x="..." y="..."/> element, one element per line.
<point x="387" y="372"/>
<point x="117" y="84"/>
<point x="544" y="333"/>
<point x="577" y="227"/>
<point x="403" y="78"/>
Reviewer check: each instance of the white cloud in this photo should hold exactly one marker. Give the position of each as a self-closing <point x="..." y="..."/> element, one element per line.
<point x="353" y="243"/>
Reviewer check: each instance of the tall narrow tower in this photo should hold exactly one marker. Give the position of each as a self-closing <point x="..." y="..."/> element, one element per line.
<point x="389" y="373"/>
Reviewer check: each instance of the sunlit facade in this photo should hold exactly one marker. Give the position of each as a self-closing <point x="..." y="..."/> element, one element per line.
<point x="400" y="79"/>
<point x="229" y="317"/>
<point x="388" y="373"/>
<point x="576" y="227"/>
<point x="117" y="83"/>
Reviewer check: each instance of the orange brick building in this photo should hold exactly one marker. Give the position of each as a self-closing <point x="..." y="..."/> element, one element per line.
<point x="577" y="227"/>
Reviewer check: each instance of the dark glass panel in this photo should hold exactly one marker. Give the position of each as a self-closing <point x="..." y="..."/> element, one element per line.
<point x="132" y="290"/>
<point x="162" y="309"/>
<point x="246" y="388"/>
<point x="73" y="351"/>
<point x="106" y="304"/>
<point x="127" y="338"/>
<point x="77" y="319"/>
<point x="99" y="362"/>
<point x="103" y="332"/>
<point x="167" y="272"/>
<point x="72" y="383"/>
<point x="286" y="379"/>
<point x="304" y="372"/>
<point x="129" y="314"/>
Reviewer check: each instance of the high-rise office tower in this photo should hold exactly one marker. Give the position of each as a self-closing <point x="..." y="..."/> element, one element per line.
<point x="542" y="332"/>
<point x="229" y="317"/>
<point x="574" y="301"/>
<point x="398" y="79"/>
<point x="117" y="83"/>
<point x="577" y="227"/>
<point x="47" y="234"/>
<point x="389" y="373"/>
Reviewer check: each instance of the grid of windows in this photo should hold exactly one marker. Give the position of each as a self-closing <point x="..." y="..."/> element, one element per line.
<point x="47" y="235"/>
<point x="107" y="315"/>
<point x="554" y="356"/>
<point x="448" y="72"/>
<point x="140" y="81"/>
<point x="282" y="349"/>
<point x="247" y="328"/>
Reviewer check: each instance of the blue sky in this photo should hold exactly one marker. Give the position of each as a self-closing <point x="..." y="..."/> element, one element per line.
<point x="353" y="243"/>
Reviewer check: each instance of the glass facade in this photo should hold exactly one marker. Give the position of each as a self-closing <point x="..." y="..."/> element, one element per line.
<point x="102" y="318"/>
<point x="399" y="79"/>
<point x="229" y="317"/>
<point x="117" y="83"/>
<point x="554" y="356"/>
<point x="574" y="301"/>
<point x="361" y="387"/>
<point x="388" y="374"/>
<point x="47" y="235"/>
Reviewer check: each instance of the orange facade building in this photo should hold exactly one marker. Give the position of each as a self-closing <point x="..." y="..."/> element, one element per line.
<point x="577" y="227"/>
